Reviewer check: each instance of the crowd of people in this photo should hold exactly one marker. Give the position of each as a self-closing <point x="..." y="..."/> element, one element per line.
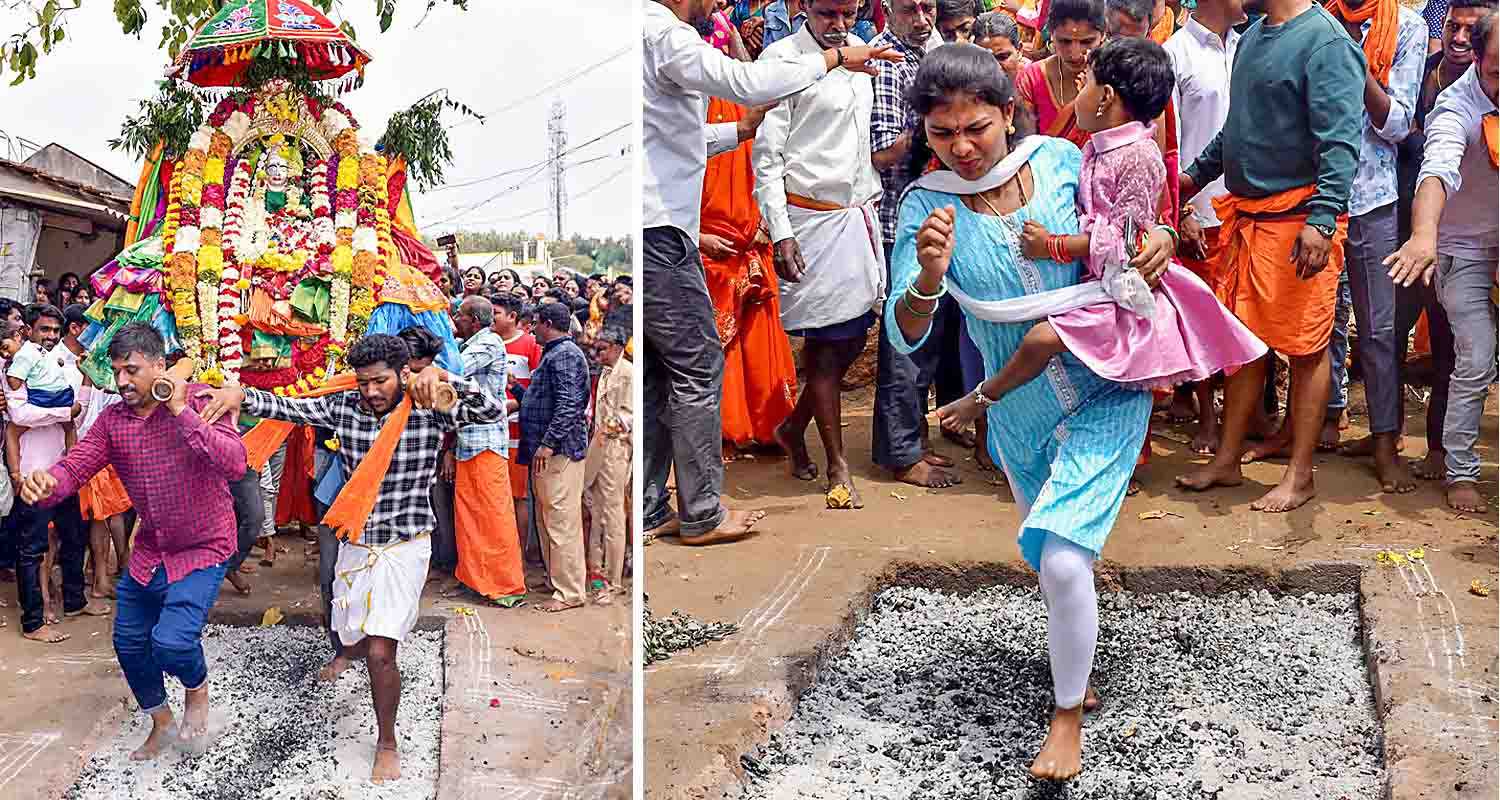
<point x="475" y="464"/>
<point x="1063" y="216"/>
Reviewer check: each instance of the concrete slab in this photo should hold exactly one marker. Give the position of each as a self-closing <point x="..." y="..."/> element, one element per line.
<point x="561" y="727"/>
<point x="798" y="588"/>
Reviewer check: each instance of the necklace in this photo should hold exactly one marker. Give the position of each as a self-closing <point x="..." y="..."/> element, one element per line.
<point x="1020" y="189"/>
<point x="1062" y="85"/>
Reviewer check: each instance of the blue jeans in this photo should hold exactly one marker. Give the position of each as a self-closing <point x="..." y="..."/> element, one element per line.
<point x="159" y="630"/>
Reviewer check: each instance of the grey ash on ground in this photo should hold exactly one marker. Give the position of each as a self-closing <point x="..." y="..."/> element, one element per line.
<point x="280" y="733"/>
<point x="1235" y="697"/>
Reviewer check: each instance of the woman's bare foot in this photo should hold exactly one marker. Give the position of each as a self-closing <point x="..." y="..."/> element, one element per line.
<point x="736" y="526"/>
<point x="1184" y="408"/>
<point x="1210" y="475"/>
<point x="1290" y="494"/>
<point x="1364" y="447"/>
<point x="333" y="669"/>
<point x="927" y="476"/>
<point x="387" y="764"/>
<point x="1464" y="496"/>
<point x="1062" y="753"/>
<point x="50" y="615"/>
<point x="799" y="462"/>
<point x="248" y="569"/>
<point x="239" y="583"/>
<point x="47" y="635"/>
<point x="194" y="730"/>
<point x="1278" y="446"/>
<point x="1090" y="699"/>
<point x="1431" y="467"/>
<point x="554" y="606"/>
<point x="163" y="731"/>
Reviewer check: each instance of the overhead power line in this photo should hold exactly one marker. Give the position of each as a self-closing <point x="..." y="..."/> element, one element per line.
<point x="543" y="163"/>
<point x="549" y="87"/>
<point x="544" y="209"/>
<point x="538" y="170"/>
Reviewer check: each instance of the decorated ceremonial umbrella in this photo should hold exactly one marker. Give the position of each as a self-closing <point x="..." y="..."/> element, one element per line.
<point x="245" y="31"/>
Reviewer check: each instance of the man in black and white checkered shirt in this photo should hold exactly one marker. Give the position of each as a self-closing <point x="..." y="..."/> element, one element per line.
<point x="380" y="577"/>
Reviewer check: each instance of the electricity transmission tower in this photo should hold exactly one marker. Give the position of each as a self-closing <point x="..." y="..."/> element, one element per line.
<point x="557" y="144"/>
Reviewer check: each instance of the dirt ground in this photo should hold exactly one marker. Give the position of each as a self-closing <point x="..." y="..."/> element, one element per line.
<point x="536" y="706"/>
<point x="799" y="587"/>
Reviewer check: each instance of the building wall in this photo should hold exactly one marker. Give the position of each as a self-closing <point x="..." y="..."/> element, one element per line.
<point x="62" y="251"/>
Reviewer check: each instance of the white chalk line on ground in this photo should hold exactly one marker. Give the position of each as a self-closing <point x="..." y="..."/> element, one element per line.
<point x="1420" y="582"/>
<point x="18" y="750"/>
<point x="758" y="620"/>
<point x="509" y="786"/>
<point x="487" y="685"/>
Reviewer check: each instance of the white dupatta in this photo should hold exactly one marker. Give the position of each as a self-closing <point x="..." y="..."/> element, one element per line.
<point x="1120" y="283"/>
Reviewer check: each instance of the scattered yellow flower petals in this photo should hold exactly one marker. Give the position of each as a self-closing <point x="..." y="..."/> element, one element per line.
<point x="271" y="617"/>
<point x="1479" y="588"/>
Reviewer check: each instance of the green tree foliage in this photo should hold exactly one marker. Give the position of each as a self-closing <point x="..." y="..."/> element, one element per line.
<point x="45" y="25"/>
<point x="171" y="116"/>
<point x="419" y="135"/>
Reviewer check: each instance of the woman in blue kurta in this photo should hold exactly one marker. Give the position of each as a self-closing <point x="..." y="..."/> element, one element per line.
<point x="1067" y="441"/>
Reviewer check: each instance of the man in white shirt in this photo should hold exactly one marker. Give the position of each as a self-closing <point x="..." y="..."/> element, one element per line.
<point x="1202" y="53"/>
<point x="682" y="357"/>
<point x="819" y="194"/>
<point x="1455" y="237"/>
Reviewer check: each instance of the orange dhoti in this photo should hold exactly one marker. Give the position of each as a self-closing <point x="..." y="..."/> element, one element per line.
<point x="484" y="526"/>
<point x="1257" y="279"/>
<point x="103" y="496"/>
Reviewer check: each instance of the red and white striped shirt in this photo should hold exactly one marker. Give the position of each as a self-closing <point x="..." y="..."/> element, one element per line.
<point x="524" y="355"/>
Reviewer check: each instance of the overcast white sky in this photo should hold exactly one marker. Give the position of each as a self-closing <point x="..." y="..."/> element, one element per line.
<point x="488" y="57"/>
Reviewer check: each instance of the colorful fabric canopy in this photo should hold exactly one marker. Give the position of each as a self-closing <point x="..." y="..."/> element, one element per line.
<point x="246" y="30"/>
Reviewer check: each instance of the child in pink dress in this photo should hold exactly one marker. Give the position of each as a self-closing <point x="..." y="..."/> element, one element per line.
<point x="1189" y="335"/>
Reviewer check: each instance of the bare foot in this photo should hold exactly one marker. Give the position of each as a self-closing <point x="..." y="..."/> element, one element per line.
<point x="982" y="458"/>
<point x="736" y="526"/>
<point x="194" y="731"/>
<point x="1184" y="408"/>
<point x="47" y="635"/>
<point x="50" y="616"/>
<point x="1210" y="475"/>
<point x="1464" y="496"/>
<point x="92" y="609"/>
<point x="671" y="527"/>
<point x="554" y="606"/>
<point x="604" y="597"/>
<point x="1206" y="441"/>
<point x="1090" y="699"/>
<point x="1431" y="467"/>
<point x="799" y="463"/>
<point x="1062" y="754"/>
<point x="248" y="569"/>
<point x="961" y="437"/>
<point x="387" y="764"/>
<point x="1133" y="488"/>
<point x="1328" y="437"/>
<point x="1390" y="468"/>
<point x="104" y="594"/>
<point x="1278" y="446"/>
<point x="937" y="459"/>
<point x="239" y="583"/>
<point x="162" y="733"/>
<point x="927" y="476"/>
<point x="334" y="668"/>
<point x="1288" y="495"/>
<point x="1364" y="447"/>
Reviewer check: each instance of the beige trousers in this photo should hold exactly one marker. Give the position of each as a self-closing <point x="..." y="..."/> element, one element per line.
<point x="559" y="525"/>
<point x="606" y="473"/>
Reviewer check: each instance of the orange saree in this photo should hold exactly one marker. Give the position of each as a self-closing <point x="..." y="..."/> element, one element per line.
<point x="760" y="377"/>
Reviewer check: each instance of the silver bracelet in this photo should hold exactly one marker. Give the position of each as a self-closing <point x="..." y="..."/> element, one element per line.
<point x="981" y="398"/>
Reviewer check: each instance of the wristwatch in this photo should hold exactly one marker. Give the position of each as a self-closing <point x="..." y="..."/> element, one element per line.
<point x="1326" y="230"/>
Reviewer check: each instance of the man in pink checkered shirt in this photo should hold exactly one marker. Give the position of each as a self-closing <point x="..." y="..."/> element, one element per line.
<point x="176" y="469"/>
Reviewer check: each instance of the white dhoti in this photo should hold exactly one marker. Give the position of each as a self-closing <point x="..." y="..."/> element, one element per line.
<point x="845" y="275"/>
<point x="376" y="590"/>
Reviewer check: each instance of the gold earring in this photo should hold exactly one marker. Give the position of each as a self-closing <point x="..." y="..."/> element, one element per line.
<point x="1011" y="128"/>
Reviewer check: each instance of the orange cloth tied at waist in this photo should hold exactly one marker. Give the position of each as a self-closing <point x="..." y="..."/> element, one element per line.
<point x="810" y="204"/>
<point x="1491" y="127"/>
<point x="1257" y="280"/>
<point x="351" y="509"/>
<point x="1380" y="40"/>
